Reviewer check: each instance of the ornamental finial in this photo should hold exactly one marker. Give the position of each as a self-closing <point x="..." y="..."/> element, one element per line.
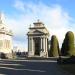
<point x="38" y="20"/>
<point x="2" y="17"/>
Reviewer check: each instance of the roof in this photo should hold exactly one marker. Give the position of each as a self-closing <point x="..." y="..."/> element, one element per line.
<point x="3" y="28"/>
<point x="38" y="28"/>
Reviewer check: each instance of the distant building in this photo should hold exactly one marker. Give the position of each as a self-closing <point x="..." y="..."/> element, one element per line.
<point x="38" y="40"/>
<point x="5" y="38"/>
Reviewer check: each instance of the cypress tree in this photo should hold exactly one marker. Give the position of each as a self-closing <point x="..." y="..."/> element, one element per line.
<point x="68" y="44"/>
<point x="54" y="49"/>
<point x="64" y="48"/>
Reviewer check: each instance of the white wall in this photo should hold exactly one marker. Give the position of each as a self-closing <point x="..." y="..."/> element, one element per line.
<point x="5" y="47"/>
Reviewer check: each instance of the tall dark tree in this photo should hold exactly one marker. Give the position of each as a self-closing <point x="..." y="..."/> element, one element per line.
<point x="54" y="48"/>
<point x="68" y="44"/>
<point x="64" y="48"/>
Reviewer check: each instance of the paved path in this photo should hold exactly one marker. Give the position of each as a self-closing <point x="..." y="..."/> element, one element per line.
<point x="30" y="67"/>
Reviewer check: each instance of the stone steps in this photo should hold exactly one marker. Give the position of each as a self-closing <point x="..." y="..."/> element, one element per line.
<point x="41" y="58"/>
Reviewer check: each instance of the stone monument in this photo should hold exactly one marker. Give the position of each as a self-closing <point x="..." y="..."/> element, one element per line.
<point x="38" y="40"/>
<point x="5" y="38"/>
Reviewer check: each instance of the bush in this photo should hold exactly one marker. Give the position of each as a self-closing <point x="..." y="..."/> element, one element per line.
<point x="68" y="45"/>
<point x="54" y="49"/>
<point x="3" y="56"/>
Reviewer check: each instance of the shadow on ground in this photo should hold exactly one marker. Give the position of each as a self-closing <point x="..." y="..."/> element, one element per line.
<point x="68" y="67"/>
<point x="67" y="64"/>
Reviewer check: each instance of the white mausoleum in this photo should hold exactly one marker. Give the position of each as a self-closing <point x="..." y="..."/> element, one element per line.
<point x="38" y="40"/>
<point x="5" y="38"/>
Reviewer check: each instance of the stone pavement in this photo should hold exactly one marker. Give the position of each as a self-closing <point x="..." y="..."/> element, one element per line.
<point x="31" y="67"/>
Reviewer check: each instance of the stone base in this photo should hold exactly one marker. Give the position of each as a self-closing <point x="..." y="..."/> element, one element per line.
<point x="30" y="54"/>
<point x="9" y="55"/>
<point x="43" y="54"/>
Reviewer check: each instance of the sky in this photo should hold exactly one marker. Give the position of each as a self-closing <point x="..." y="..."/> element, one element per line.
<point x="57" y="15"/>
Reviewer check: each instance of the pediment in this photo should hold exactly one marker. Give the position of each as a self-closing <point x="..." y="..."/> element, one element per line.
<point x="38" y="32"/>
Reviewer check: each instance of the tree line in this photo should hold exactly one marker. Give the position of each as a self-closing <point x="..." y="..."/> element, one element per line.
<point x="67" y="48"/>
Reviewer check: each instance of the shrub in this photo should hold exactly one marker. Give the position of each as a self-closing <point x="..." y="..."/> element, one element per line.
<point x="68" y="45"/>
<point x="54" y="49"/>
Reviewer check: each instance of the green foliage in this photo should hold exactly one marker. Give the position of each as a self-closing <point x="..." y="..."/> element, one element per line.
<point x="68" y="44"/>
<point x="54" y="49"/>
<point x="64" y="48"/>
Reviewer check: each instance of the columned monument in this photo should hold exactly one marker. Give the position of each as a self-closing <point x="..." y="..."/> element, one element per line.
<point x="5" y="38"/>
<point x="38" y="40"/>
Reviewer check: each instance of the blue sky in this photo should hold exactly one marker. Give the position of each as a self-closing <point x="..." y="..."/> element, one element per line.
<point x="57" y="15"/>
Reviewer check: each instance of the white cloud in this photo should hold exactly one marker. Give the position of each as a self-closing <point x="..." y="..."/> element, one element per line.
<point x="56" y="19"/>
<point x="19" y="5"/>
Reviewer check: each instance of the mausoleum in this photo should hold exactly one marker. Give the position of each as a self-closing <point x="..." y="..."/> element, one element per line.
<point x="38" y="40"/>
<point x="5" y="38"/>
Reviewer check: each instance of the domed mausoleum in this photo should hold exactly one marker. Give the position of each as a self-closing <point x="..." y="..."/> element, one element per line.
<point x="5" y="39"/>
<point x="38" y="40"/>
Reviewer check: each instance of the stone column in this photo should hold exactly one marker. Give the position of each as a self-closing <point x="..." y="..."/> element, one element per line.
<point x="46" y="47"/>
<point x="28" y="44"/>
<point x="44" y="44"/>
<point x="31" y="48"/>
<point x="41" y="43"/>
<point x="3" y="44"/>
<point x="32" y="44"/>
